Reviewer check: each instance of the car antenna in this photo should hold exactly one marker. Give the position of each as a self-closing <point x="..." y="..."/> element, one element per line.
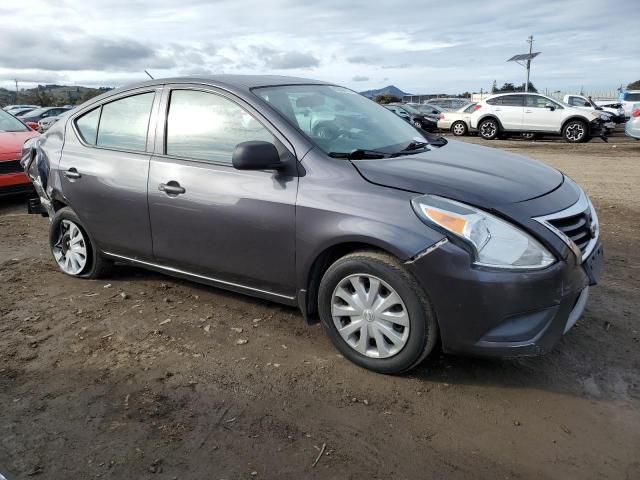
<point x="150" y="76"/>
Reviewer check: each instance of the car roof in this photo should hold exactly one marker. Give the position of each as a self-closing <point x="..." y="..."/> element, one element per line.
<point x="245" y="82"/>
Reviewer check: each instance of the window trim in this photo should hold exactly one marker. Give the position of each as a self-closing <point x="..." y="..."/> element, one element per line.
<point x="148" y="150"/>
<point x="160" y="147"/>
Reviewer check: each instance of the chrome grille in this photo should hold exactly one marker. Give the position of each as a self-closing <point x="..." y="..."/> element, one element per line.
<point x="577" y="226"/>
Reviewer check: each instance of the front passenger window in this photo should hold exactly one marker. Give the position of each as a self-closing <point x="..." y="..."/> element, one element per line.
<point x="206" y="126"/>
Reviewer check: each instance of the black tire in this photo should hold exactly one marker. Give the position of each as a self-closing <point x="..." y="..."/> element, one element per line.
<point x="96" y="265"/>
<point x="575" y="131"/>
<point x="459" y="128"/>
<point x="423" y="328"/>
<point x="489" y="129"/>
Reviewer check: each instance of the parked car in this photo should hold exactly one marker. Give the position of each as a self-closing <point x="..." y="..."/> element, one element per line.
<point x="448" y="103"/>
<point x="16" y="107"/>
<point x="537" y="114"/>
<point x="432" y="111"/>
<point x="396" y="240"/>
<point x="628" y="99"/>
<point x="457" y="121"/>
<point x="580" y="101"/>
<point x="40" y="113"/>
<point x="413" y="116"/>
<point x="17" y="112"/>
<point x="13" y="134"/>
<point x="632" y="127"/>
<point x="46" y="123"/>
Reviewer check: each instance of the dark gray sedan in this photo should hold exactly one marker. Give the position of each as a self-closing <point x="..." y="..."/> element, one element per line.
<point x="395" y="240"/>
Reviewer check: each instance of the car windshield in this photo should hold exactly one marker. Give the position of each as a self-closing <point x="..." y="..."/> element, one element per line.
<point x="340" y="120"/>
<point x="8" y="123"/>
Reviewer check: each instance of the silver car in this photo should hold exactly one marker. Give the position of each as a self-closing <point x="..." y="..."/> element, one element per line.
<point x="632" y="127"/>
<point x="458" y="120"/>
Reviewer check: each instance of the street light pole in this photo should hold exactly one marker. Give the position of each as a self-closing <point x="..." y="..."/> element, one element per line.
<point x="530" y="41"/>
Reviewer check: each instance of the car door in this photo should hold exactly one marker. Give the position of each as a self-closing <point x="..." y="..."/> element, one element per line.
<point x="229" y="226"/>
<point x="541" y="114"/>
<point x="104" y="171"/>
<point x="509" y="110"/>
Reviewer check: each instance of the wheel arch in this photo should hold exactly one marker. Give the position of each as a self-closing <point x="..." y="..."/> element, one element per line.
<point x="574" y="117"/>
<point x="308" y="296"/>
<point x="492" y="116"/>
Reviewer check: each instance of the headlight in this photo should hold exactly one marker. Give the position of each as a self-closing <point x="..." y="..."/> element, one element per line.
<point x="492" y="241"/>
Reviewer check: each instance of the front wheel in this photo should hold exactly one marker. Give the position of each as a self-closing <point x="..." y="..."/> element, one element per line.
<point x="375" y="313"/>
<point x="72" y="248"/>
<point x="489" y="129"/>
<point x="459" y="129"/>
<point x="575" y="131"/>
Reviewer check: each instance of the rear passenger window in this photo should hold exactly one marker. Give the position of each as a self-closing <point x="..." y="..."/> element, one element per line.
<point x="124" y="123"/>
<point x="512" y="100"/>
<point x="88" y="126"/>
<point x="206" y="126"/>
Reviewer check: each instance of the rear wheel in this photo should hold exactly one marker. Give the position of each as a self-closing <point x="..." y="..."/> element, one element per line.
<point x="489" y="129"/>
<point x="459" y="128"/>
<point x="376" y="313"/>
<point x="72" y="247"/>
<point x="575" y="131"/>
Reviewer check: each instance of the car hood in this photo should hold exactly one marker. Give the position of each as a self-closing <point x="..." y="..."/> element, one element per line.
<point x="11" y="143"/>
<point x="482" y="176"/>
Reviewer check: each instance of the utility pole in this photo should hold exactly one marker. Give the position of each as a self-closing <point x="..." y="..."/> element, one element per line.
<point x="524" y="60"/>
<point x="530" y="42"/>
<point x="16" y="80"/>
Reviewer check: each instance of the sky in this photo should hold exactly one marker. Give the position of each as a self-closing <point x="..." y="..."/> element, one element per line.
<point x="419" y="46"/>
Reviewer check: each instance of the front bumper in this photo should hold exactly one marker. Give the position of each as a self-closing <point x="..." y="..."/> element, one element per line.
<point x="13" y="183"/>
<point x="500" y="313"/>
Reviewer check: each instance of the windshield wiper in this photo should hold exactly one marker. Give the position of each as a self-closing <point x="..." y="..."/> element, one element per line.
<point x="359" y="154"/>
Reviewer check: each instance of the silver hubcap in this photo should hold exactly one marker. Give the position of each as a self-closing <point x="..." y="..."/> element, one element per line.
<point x="370" y="316"/>
<point x="458" y="129"/>
<point x="488" y="129"/>
<point x="575" y="131"/>
<point x="70" y="249"/>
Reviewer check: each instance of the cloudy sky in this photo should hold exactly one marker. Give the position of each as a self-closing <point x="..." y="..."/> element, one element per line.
<point x="419" y="46"/>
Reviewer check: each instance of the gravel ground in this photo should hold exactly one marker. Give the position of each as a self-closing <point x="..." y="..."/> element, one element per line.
<point x="144" y="376"/>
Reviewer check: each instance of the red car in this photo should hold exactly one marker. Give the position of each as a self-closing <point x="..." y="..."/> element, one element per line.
<point x="13" y="133"/>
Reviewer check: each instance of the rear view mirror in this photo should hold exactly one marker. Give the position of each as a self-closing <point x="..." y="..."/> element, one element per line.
<point x="256" y="155"/>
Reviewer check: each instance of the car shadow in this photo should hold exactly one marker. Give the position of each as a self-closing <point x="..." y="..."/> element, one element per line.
<point x="570" y="368"/>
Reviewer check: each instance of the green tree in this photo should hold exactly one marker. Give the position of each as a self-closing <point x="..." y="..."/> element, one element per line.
<point x="634" y="85"/>
<point x="386" y="98"/>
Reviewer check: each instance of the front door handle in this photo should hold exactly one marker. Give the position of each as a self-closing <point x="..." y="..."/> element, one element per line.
<point x="528" y="111"/>
<point x="171" y="188"/>
<point x="72" y="173"/>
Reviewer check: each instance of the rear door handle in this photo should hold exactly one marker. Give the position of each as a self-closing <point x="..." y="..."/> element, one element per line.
<point x="528" y="111"/>
<point x="72" y="173"/>
<point x="171" y="188"/>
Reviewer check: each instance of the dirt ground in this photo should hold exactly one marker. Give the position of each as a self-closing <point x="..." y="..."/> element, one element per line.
<point x="141" y="376"/>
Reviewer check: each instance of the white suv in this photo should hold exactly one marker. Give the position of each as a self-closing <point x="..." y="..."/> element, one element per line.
<point x="532" y="113"/>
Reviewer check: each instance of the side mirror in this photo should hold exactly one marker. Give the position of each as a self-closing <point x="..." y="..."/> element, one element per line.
<point x="256" y="155"/>
<point x="550" y="107"/>
<point x="33" y="125"/>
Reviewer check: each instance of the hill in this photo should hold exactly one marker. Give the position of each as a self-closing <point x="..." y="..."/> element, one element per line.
<point x="389" y="89"/>
<point x="51" y="95"/>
